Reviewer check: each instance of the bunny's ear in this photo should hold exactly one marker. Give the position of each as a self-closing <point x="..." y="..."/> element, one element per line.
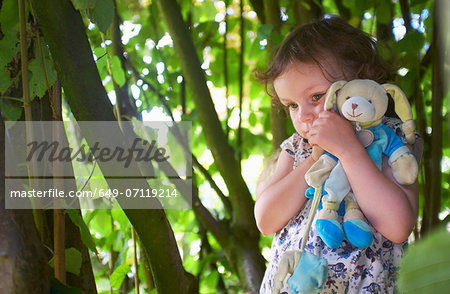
<point x="403" y="110"/>
<point x="330" y="96"/>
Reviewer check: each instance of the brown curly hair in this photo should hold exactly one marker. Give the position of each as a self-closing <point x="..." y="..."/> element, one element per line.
<point x="352" y="50"/>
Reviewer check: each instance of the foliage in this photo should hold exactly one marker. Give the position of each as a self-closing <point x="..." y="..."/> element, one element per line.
<point x="425" y="266"/>
<point x="152" y="75"/>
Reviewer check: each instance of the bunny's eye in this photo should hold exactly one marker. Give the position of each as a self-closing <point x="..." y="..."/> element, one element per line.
<point x="347" y="98"/>
<point x="370" y="101"/>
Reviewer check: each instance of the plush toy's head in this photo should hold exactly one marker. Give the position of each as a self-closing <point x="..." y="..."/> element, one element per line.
<point x="365" y="102"/>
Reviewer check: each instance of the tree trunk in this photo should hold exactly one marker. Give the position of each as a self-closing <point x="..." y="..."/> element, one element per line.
<point x="65" y="34"/>
<point x="23" y="265"/>
<point x="85" y="280"/>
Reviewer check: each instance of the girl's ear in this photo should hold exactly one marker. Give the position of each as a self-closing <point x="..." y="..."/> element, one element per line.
<point x="331" y="95"/>
<point x="403" y="109"/>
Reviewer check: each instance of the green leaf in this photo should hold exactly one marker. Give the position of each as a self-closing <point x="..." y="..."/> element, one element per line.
<point x="411" y="42"/>
<point x="383" y="12"/>
<point x="9" y="44"/>
<point x="73" y="261"/>
<point x="120" y="217"/>
<point x="99" y="53"/>
<point x="83" y="4"/>
<point x="417" y="2"/>
<point x="85" y="234"/>
<point x="118" y="275"/>
<point x="103" y="14"/>
<point x="117" y="71"/>
<point x="425" y="267"/>
<point x="204" y="12"/>
<point x="209" y="282"/>
<point x="357" y="7"/>
<point x="277" y="38"/>
<point x="101" y="57"/>
<point x="264" y="31"/>
<point x="100" y="222"/>
<point x="12" y="111"/>
<point x="9" y="17"/>
<point x="38" y="85"/>
<point x="252" y="119"/>
<point x="5" y="82"/>
<point x="59" y="288"/>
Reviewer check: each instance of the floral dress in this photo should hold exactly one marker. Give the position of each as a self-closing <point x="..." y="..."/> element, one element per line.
<point x="350" y="269"/>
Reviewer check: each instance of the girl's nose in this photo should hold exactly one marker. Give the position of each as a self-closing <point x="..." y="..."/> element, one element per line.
<point x="306" y="113"/>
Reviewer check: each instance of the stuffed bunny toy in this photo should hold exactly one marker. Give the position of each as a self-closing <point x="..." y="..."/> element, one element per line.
<point x="364" y="103"/>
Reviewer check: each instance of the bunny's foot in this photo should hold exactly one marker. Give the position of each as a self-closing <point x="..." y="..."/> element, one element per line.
<point x="328" y="228"/>
<point x="356" y="230"/>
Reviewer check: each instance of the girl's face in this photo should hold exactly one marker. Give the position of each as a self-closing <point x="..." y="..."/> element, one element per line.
<point x="302" y="87"/>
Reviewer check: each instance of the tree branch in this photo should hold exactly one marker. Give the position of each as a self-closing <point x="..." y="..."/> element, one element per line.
<point x="278" y="118"/>
<point x="241" y="80"/>
<point x="406" y="14"/>
<point x="344" y="12"/>
<point x="196" y="163"/>
<point x="304" y="15"/>
<point x="432" y="205"/>
<point x="223" y="153"/>
<point x="258" y="6"/>
<point x="126" y="104"/>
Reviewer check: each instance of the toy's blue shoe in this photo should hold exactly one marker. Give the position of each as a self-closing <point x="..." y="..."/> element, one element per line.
<point x="358" y="233"/>
<point x="356" y="229"/>
<point x="327" y="226"/>
<point x="330" y="231"/>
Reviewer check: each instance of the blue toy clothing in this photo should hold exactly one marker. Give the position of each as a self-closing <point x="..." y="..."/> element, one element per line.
<point x="336" y="185"/>
<point x="350" y="269"/>
<point x="385" y="142"/>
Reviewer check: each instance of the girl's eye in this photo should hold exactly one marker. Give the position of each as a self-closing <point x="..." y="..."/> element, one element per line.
<point x="292" y="106"/>
<point x="316" y="97"/>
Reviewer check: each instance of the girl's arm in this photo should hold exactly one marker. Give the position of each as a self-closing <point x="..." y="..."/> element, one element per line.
<point x="281" y="197"/>
<point x="391" y="208"/>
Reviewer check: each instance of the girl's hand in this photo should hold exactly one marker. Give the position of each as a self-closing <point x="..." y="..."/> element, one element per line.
<point x="333" y="133"/>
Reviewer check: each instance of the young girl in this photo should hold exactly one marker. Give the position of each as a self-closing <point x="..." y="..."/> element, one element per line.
<point x="310" y="59"/>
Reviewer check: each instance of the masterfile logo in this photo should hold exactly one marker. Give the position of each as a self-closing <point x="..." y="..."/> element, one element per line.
<point x="68" y="165"/>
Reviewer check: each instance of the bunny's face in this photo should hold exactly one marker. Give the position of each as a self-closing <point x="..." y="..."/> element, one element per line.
<point x="362" y="101"/>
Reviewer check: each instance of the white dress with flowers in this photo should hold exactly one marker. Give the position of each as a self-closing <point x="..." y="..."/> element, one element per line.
<point x="350" y="269"/>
